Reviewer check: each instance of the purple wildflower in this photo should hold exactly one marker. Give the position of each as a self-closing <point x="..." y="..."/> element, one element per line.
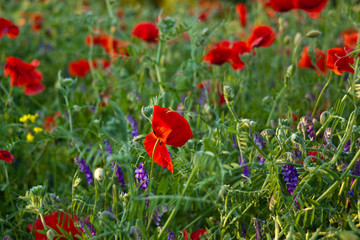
<point x="355" y="171"/>
<point x="133" y="123"/>
<point x="290" y="177"/>
<point x="120" y="175"/>
<point x="243" y="230"/>
<point x="258" y="230"/>
<point x="180" y="109"/>
<point x="171" y="235"/>
<point x="158" y="214"/>
<point x="259" y="140"/>
<point x="202" y="97"/>
<point x="309" y="126"/>
<point x="328" y="135"/>
<point x="242" y="163"/>
<point x="85" y="169"/>
<point x="234" y="144"/>
<point x="297" y="153"/>
<point x="142" y="177"/>
<point x="86" y="224"/>
<point x="347" y="146"/>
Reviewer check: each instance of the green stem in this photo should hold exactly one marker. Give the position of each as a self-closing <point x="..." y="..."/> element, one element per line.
<point x="172" y="215"/>
<point x="321" y="93"/>
<point x="275" y="103"/>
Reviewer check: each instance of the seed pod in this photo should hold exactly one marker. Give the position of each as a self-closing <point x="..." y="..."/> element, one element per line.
<point x="313" y="34"/>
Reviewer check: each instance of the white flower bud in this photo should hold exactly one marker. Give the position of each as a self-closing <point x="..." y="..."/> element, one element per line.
<point x="99" y="174"/>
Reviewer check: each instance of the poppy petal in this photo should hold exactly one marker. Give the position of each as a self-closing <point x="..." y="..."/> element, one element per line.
<point x="161" y="155"/>
<point x="13" y="31"/>
<point x="170" y="127"/>
<point x="6" y="156"/>
<point x="32" y="89"/>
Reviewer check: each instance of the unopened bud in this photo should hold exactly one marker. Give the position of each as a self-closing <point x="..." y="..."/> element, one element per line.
<point x="313" y="34"/>
<point x="50" y="234"/>
<point x="297" y="38"/>
<point x="99" y="174"/>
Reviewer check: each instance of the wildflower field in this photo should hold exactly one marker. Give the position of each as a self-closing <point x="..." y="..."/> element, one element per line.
<point x="179" y="119"/>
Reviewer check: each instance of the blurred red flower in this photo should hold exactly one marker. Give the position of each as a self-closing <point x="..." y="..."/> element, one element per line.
<point x="312" y="7"/>
<point x="24" y="75"/>
<point x="351" y="39"/>
<point x="170" y="128"/>
<point x="196" y="235"/>
<point x="6" y="27"/>
<point x="305" y="60"/>
<point x="339" y="60"/>
<point x="241" y="11"/>
<point x="81" y="67"/>
<point x="37" y="21"/>
<point x="6" y="156"/>
<point x="57" y="220"/>
<point x="222" y="52"/>
<point x="111" y="45"/>
<point x="261" y="36"/>
<point x="281" y="5"/>
<point x="147" y="31"/>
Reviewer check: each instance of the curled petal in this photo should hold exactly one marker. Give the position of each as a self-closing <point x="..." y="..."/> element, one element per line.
<point x="161" y="155"/>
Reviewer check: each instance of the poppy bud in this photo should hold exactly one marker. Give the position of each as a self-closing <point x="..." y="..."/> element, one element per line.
<point x="106" y="215"/>
<point x="228" y="93"/>
<point x="50" y="234"/>
<point x="289" y="73"/>
<point x="287" y="40"/>
<point x="297" y="38"/>
<point x="169" y="23"/>
<point x="99" y="174"/>
<point x="313" y="34"/>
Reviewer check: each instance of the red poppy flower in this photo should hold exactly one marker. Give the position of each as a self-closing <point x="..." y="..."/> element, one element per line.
<point x="281" y="5"/>
<point x="314" y="153"/>
<point x="57" y="220"/>
<point x="196" y="235"/>
<point x="305" y="60"/>
<point x="24" y="75"/>
<point x="339" y="60"/>
<point x="170" y="128"/>
<point x="261" y="36"/>
<point x="241" y="11"/>
<point x="111" y="45"/>
<point x="6" y="27"/>
<point x="219" y="54"/>
<point x="147" y="31"/>
<point x="37" y="22"/>
<point x="185" y="234"/>
<point x="312" y="7"/>
<point x="351" y="39"/>
<point x="79" y="68"/>
<point x="6" y="156"/>
<point x="222" y="53"/>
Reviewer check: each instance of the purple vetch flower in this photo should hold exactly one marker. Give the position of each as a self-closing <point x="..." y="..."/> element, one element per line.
<point x="243" y="164"/>
<point x="133" y="124"/>
<point x="258" y="230"/>
<point x="202" y="97"/>
<point x="328" y="135"/>
<point x="120" y="175"/>
<point x="171" y="235"/>
<point x="158" y="214"/>
<point x="309" y="127"/>
<point x="142" y="177"/>
<point x="234" y="144"/>
<point x="347" y="146"/>
<point x="180" y="109"/>
<point x="243" y="230"/>
<point x="290" y="177"/>
<point x="86" y="224"/>
<point x="297" y="153"/>
<point x="355" y="171"/>
<point x="85" y="169"/>
<point x="259" y="140"/>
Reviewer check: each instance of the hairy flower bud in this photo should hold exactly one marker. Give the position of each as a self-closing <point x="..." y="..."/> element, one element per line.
<point x="313" y="34"/>
<point x="99" y="174"/>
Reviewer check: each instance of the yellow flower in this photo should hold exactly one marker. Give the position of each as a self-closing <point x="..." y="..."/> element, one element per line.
<point x="29" y="137"/>
<point x="38" y="130"/>
<point x="25" y="118"/>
